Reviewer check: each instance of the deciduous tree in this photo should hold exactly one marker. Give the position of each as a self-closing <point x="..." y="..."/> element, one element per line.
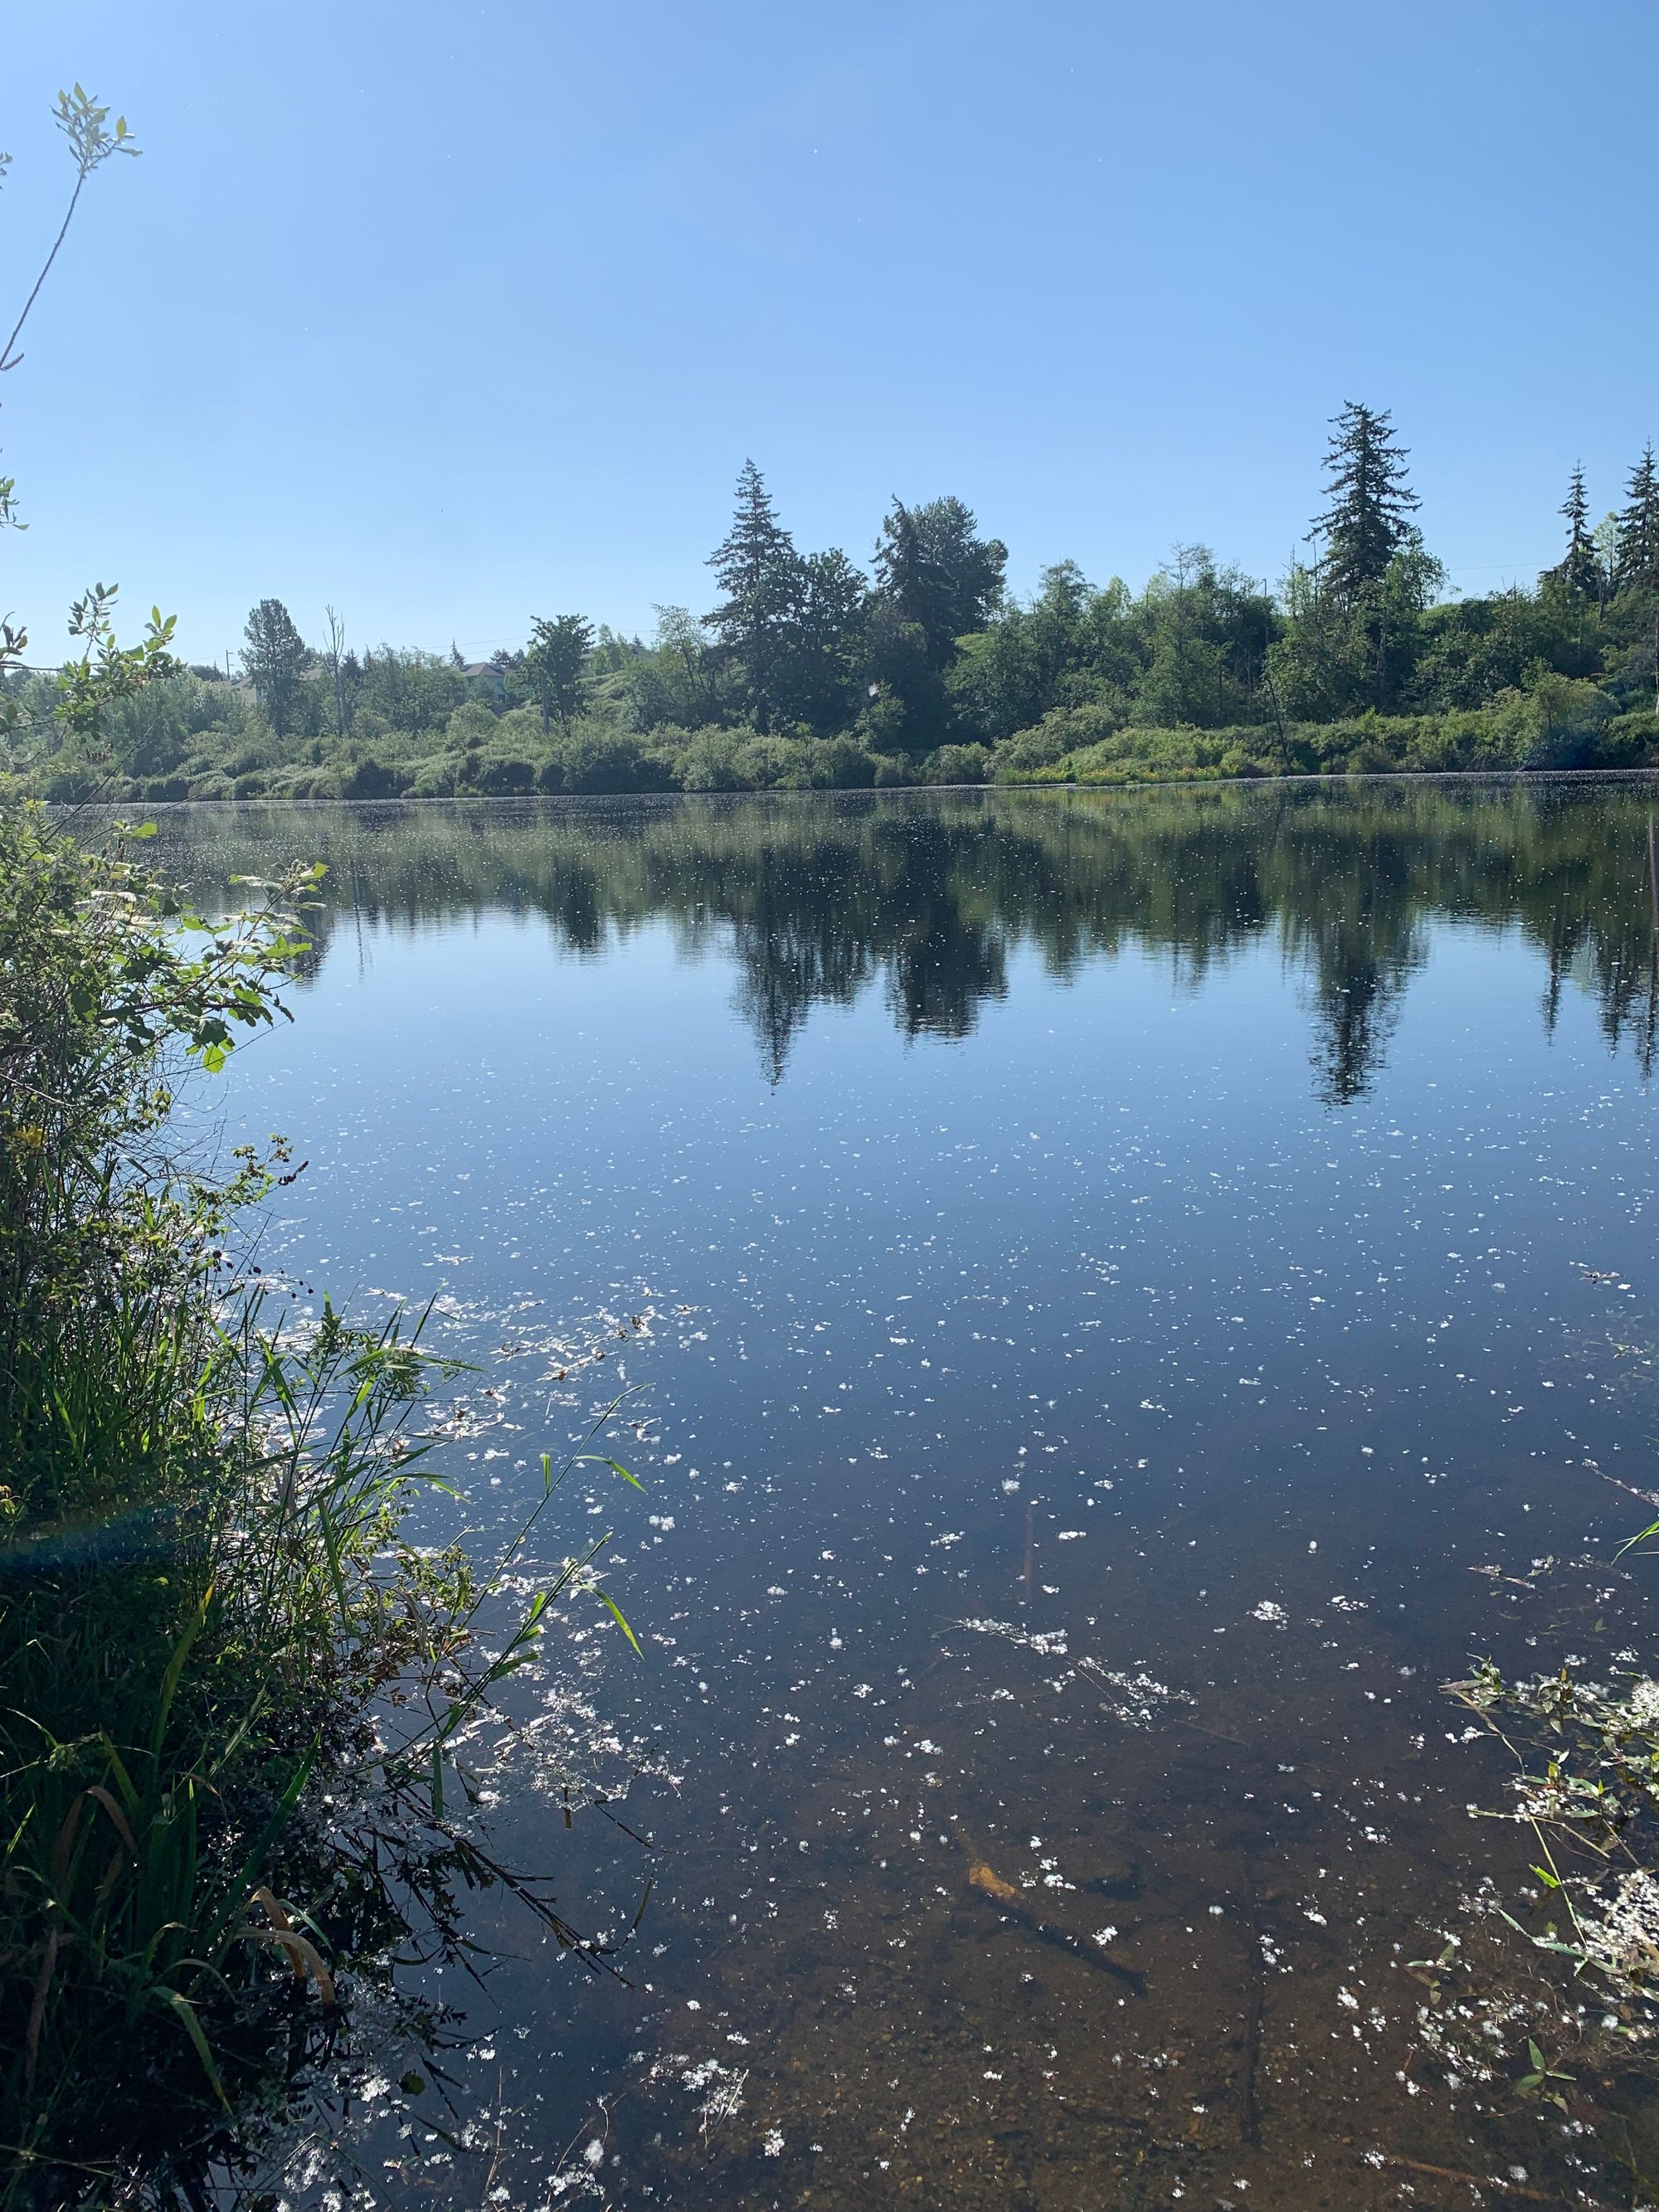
<point x="341" y="665"/>
<point x="557" y="661"/>
<point x="938" y="574"/>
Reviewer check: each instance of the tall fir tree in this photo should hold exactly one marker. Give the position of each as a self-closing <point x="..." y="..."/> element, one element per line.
<point x="1371" y="503"/>
<point x="762" y="578"/>
<point x="1637" y="554"/>
<point x="274" y="659"/>
<point x="1580" y="568"/>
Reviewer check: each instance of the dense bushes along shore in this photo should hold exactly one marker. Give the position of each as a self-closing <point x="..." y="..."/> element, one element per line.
<point x="1068" y="746"/>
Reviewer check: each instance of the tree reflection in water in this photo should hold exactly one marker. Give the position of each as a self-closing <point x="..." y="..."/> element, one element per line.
<point x="820" y="897"/>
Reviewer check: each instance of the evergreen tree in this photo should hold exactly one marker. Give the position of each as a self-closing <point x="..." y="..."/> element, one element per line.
<point x="1580" y="568"/>
<point x="1638" y="528"/>
<point x="274" y="659"/>
<point x="1368" y="520"/>
<point x="900" y="566"/>
<point x="761" y="576"/>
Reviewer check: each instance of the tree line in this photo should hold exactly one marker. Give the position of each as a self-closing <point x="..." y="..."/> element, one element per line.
<point x="924" y="666"/>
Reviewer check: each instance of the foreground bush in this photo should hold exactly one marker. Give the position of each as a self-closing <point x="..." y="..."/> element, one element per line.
<point x="205" y="1597"/>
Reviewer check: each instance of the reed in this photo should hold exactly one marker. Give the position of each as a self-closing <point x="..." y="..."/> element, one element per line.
<point x="212" y="1621"/>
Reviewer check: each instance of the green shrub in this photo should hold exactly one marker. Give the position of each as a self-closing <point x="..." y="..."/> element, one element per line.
<point x="959" y="764"/>
<point x="230" y="1683"/>
<point x="1369" y="756"/>
<point x="471" y="725"/>
<point x="1630" y="741"/>
<point x="433" y="779"/>
<point x="499" y="779"/>
<point x="519" y="730"/>
<point x="595" y="756"/>
<point x="370" y="779"/>
<point x="1555" y="721"/>
<point x="302" y="783"/>
<point x="1237" y="760"/>
<point x="1091" y="722"/>
<point x="841" y="764"/>
<point x="1042" y="746"/>
<point x="706" y="761"/>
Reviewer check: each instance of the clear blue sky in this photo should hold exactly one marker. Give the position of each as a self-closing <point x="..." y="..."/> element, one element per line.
<point x="458" y="314"/>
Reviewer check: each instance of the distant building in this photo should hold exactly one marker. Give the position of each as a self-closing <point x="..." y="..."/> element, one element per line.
<point x="485" y="676"/>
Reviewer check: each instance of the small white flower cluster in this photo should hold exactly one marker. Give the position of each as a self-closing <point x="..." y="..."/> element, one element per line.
<point x="1050" y="1644"/>
<point x="1623" y="1940"/>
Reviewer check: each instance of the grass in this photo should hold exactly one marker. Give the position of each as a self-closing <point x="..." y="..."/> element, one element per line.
<point x="234" y="1688"/>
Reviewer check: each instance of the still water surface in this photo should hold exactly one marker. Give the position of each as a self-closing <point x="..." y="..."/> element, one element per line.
<point x="1112" y="1277"/>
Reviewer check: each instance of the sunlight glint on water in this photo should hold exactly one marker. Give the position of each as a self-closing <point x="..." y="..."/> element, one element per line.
<point x="1112" y="1276"/>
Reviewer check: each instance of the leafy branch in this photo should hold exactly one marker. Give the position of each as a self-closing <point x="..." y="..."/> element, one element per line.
<point x="82" y="121"/>
<point x="105" y="671"/>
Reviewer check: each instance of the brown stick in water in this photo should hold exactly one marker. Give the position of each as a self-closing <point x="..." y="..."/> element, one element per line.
<point x="1249" y="2108"/>
<point x="983" y="1877"/>
<point x="1474" y="2180"/>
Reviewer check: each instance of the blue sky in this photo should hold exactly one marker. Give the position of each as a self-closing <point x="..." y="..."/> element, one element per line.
<point x="456" y="314"/>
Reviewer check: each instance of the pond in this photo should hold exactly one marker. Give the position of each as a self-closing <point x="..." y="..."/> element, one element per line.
<point x="1128" y="1293"/>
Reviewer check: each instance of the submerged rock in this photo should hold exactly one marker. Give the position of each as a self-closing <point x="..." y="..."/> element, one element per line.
<point x="1109" y="1873"/>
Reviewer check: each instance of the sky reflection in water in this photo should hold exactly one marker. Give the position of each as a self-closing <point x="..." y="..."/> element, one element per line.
<point x="1112" y="1266"/>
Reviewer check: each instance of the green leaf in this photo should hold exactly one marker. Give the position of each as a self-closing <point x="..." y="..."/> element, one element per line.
<point x="606" y="1599"/>
<point x="185" y="2014"/>
<point x="599" y="1459"/>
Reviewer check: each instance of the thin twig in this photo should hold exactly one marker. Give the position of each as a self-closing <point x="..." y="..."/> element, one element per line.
<point x="1474" y="2180"/>
<point x="8" y="359"/>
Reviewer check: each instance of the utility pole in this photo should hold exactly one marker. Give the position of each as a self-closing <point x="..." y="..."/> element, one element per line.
<point x="1273" y="693"/>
